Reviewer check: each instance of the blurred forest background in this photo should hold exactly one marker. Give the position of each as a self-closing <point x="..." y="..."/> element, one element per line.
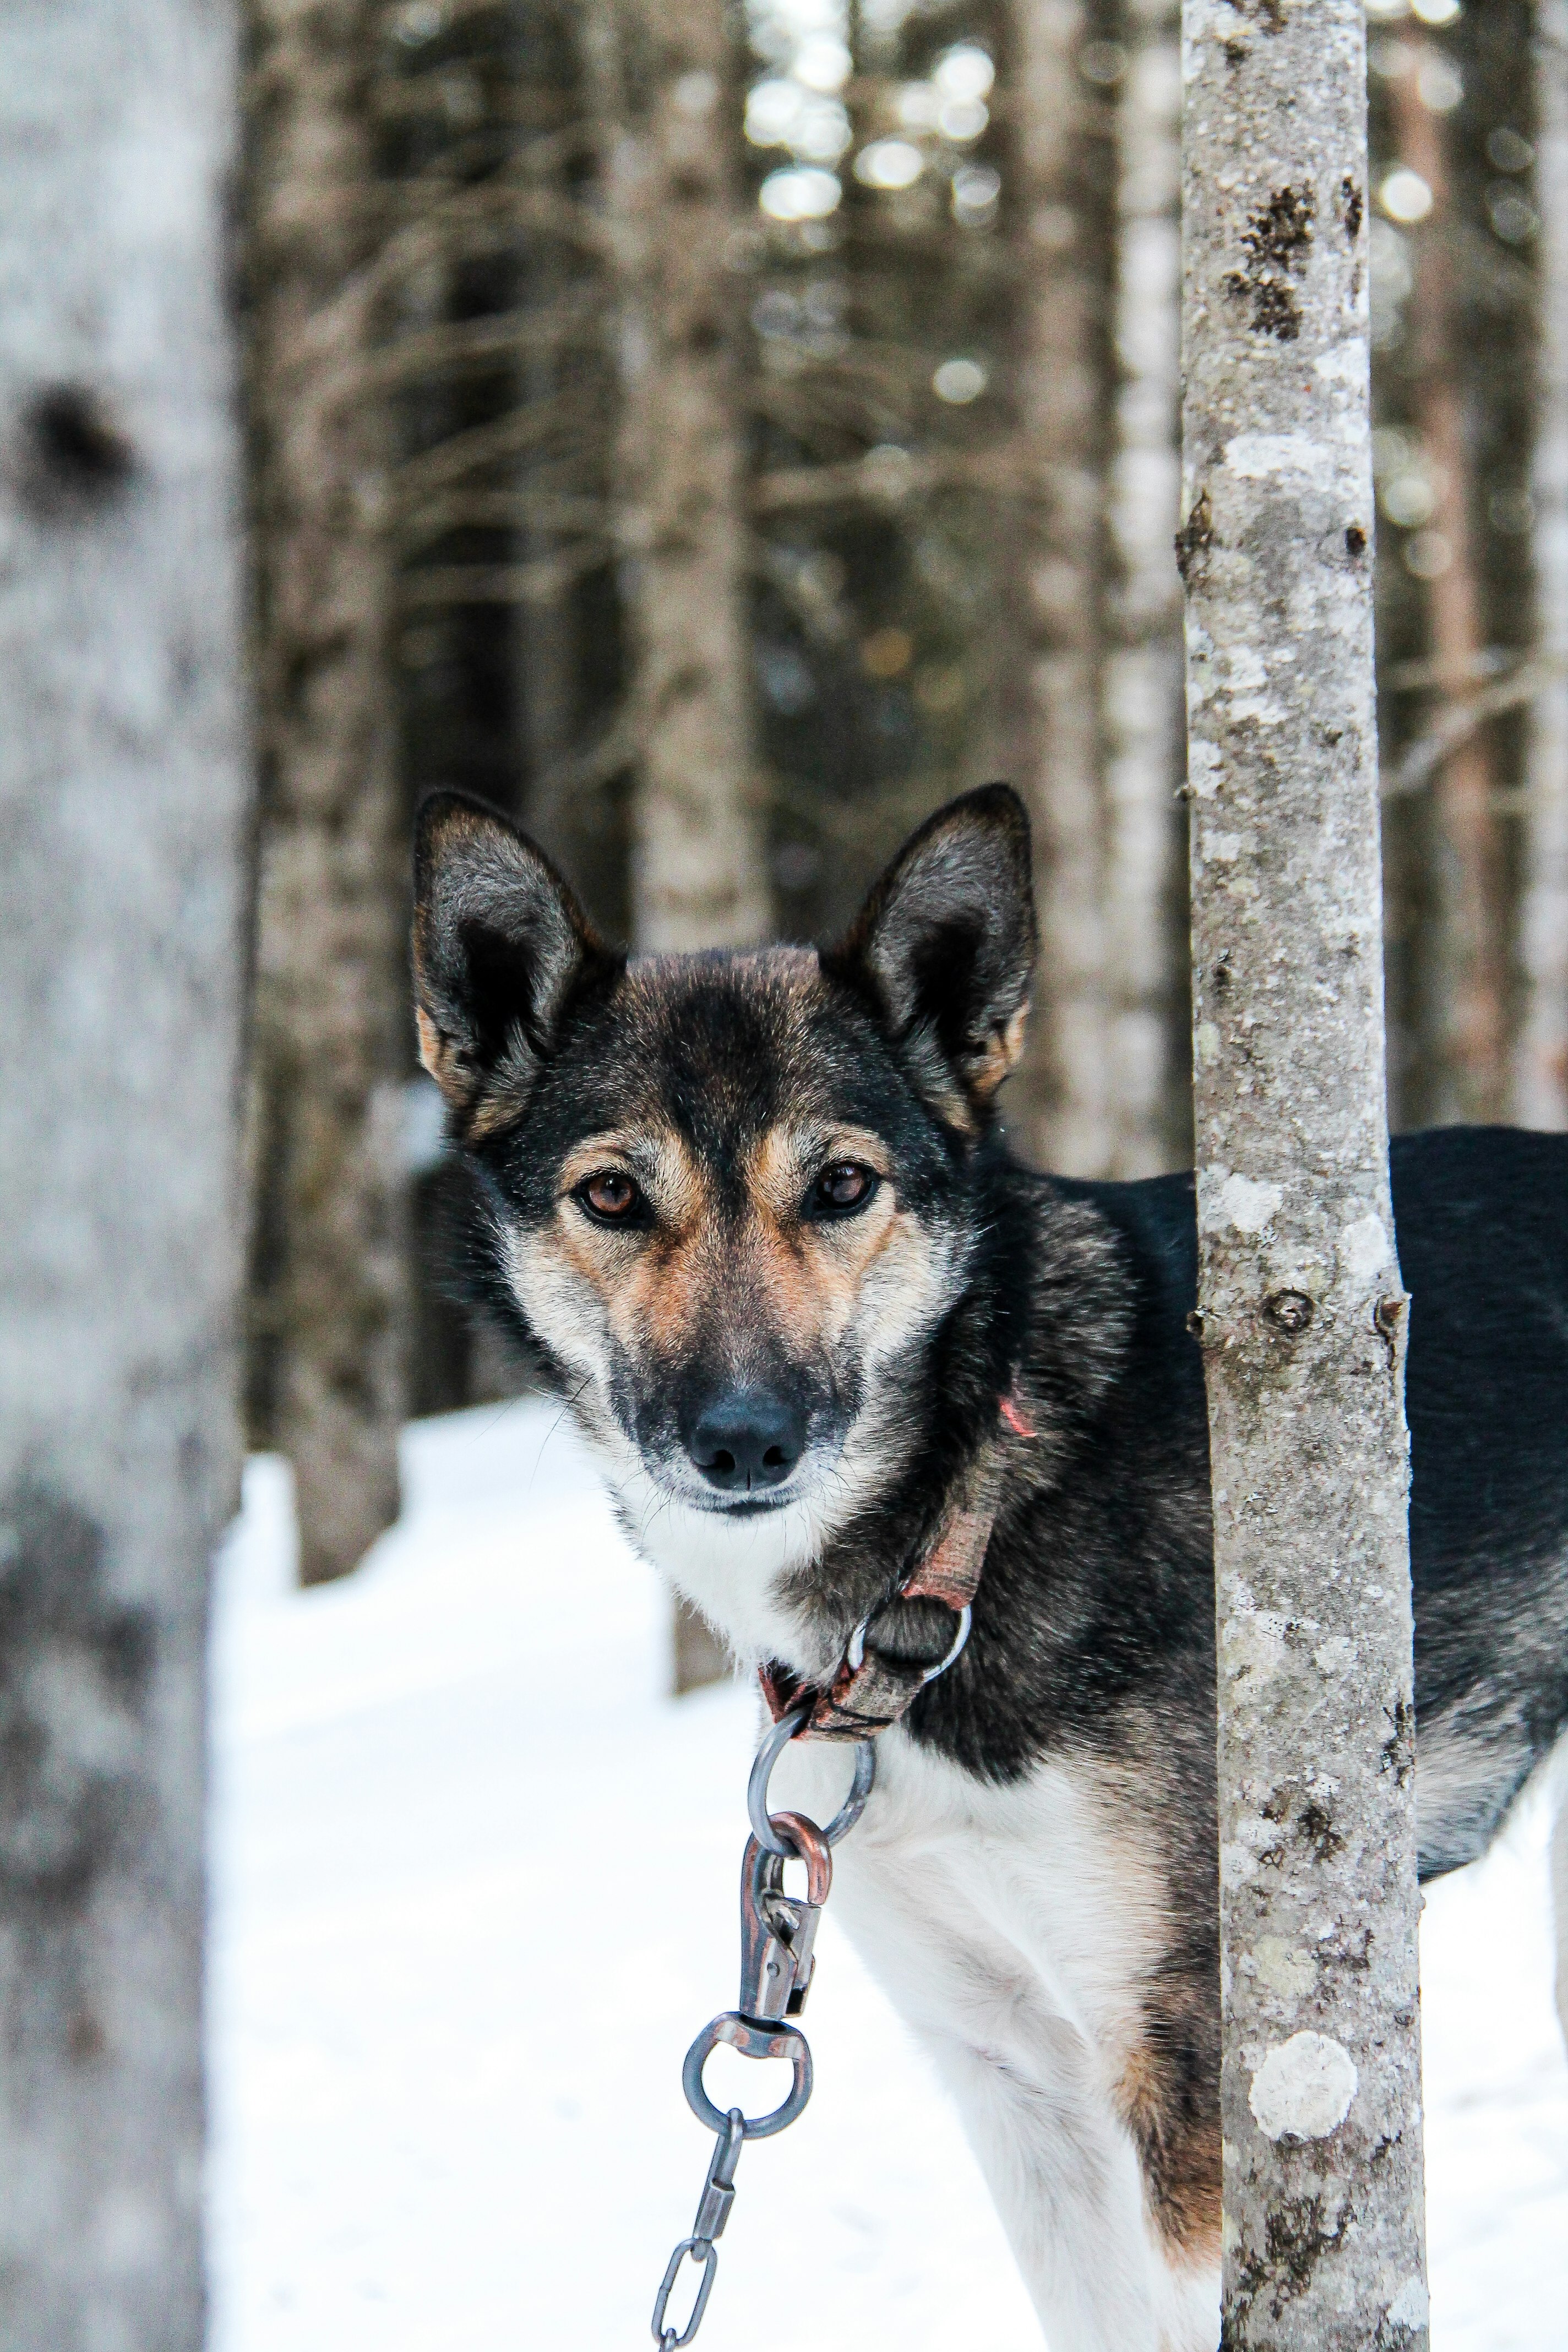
<point x="717" y="435"/>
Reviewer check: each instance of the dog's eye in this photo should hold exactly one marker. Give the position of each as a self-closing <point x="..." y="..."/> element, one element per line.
<point x="842" y="1189"/>
<point x="610" y="1196"/>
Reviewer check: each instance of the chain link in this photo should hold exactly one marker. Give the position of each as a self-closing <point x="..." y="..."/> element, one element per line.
<point x="712" y="2212"/>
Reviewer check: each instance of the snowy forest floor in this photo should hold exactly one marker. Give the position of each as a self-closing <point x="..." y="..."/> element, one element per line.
<point x="474" y="1892"/>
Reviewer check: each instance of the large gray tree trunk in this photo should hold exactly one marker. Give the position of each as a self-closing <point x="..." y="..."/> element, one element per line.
<point x="1302" y="1317"/>
<point x="122" y="910"/>
<point x="1061" y="1098"/>
<point x="331" y="979"/>
<point x="663" y="75"/>
<point x="1541" y="1058"/>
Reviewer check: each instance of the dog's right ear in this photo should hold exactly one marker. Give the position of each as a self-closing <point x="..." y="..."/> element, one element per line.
<point x="501" y="949"/>
<point x="944" y="947"/>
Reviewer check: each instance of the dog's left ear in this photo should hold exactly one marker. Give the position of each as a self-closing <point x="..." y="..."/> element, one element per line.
<point x="945" y="945"/>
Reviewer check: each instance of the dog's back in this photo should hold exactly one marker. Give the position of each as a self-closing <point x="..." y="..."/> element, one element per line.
<point x="1482" y="1221"/>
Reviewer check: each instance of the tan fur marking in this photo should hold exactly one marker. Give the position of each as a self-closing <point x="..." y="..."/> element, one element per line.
<point x="501" y="1106"/>
<point x="1003" y="1048"/>
<point x="438" y="1057"/>
<point x="788" y="1159"/>
<point x="817" y="1272"/>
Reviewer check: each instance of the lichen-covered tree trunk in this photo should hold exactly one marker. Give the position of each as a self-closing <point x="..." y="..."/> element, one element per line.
<point x="122" y="811"/>
<point x="1149" y="1105"/>
<point x="1301" y="1314"/>
<point x="663" y="78"/>
<point x="1541" y="1053"/>
<point x="1060" y="1100"/>
<point x="333" y="1253"/>
<point x="664" y="81"/>
<point x="1465" y="980"/>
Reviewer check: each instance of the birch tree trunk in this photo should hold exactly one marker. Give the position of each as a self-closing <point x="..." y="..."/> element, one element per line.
<point x="1540" y="1056"/>
<point x="329" y="984"/>
<point x="1302" y="1315"/>
<point x="1144" y="919"/>
<point x="1468" y="980"/>
<point x="664" y="84"/>
<point x="1061" y="1097"/>
<point x="121" y="914"/>
<point x="664" y="87"/>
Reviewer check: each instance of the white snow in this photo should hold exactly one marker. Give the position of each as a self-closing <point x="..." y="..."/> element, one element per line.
<point x="475" y="1886"/>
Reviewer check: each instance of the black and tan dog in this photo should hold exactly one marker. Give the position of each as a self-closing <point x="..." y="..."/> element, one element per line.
<point x="755" y="1214"/>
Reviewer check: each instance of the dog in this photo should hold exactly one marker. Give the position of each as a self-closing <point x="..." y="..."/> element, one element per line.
<point x="755" y="1216"/>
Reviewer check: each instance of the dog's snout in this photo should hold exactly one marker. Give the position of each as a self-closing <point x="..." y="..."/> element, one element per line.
<point x="746" y="1439"/>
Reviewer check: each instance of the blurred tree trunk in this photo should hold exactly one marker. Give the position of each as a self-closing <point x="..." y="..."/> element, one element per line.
<point x="1062" y="1096"/>
<point x="331" y="1255"/>
<point x="668" y="131"/>
<point x="1540" y="1060"/>
<point x="123" y="902"/>
<point x="1302" y="1314"/>
<point x="1149" y="1083"/>
<point x="663" y="83"/>
<point x="546" y="652"/>
<point x="1466" y="983"/>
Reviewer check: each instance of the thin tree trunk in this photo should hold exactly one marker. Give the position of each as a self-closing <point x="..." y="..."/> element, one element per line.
<point x="664" y="80"/>
<point x="1061" y="1097"/>
<point x="1145" y="925"/>
<point x="1302" y="1317"/>
<point x="123" y="804"/>
<point x="546" y="664"/>
<point x="663" y="75"/>
<point x="330" y="957"/>
<point x="1540" y="1056"/>
<point x="1468" y="981"/>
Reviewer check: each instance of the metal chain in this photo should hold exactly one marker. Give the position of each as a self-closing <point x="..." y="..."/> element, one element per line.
<point x="778" y="1936"/>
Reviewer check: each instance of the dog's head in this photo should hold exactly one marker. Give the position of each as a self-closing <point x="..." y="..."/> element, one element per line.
<point x="730" y="1196"/>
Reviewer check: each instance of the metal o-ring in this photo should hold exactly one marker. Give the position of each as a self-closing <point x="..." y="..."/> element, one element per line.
<point x="752" y="2041"/>
<point x="768" y="1754"/>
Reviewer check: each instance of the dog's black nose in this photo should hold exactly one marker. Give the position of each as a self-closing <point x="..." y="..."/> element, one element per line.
<point x="748" y="1439"/>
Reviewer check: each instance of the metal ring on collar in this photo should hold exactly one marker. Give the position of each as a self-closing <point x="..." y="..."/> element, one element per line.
<point x="965" y="1619"/>
<point x="855" y="1655"/>
<point x="768" y="1754"/>
<point x="752" y="2041"/>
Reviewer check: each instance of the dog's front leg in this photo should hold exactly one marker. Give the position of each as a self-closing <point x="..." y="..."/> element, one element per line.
<point x="1065" y="2179"/>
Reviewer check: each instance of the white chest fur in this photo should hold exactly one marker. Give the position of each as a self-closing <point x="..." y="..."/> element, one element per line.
<point x="1014" y="1930"/>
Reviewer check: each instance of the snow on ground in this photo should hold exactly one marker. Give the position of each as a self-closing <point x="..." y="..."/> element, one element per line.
<point x="475" y="1886"/>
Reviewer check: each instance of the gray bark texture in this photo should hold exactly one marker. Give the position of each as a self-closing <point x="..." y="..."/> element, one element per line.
<point x="1302" y="1317"/>
<point x="330" y="979"/>
<point x="123" y="814"/>
<point x="664" y="81"/>
<point x="1060" y="1100"/>
<point x="1540" y="1056"/>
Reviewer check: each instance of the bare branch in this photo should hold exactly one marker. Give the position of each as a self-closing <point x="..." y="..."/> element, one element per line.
<point x="1421" y="760"/>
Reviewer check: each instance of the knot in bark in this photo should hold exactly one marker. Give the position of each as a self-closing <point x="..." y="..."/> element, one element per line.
<point x="1289" y="1310"/>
